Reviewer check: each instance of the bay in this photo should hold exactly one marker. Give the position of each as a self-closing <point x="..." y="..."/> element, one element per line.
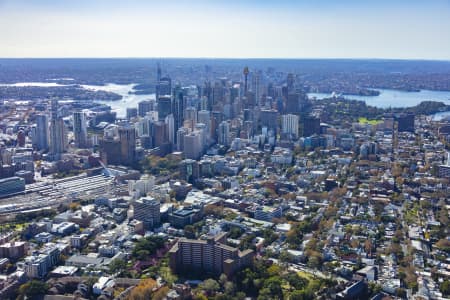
<point x="395" y="98"/>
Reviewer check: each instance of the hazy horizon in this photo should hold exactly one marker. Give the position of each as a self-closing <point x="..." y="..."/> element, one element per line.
<point x="245" y="29"/>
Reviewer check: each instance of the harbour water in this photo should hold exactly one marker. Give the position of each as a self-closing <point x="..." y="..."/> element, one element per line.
<point x="395" y="98"/>
<point x="128" y="100"/>
<point x="386" y="98"/>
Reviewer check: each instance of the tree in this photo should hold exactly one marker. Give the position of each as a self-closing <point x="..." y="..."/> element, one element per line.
<point x="274" y="285"/>
<point x="33" y="289"/>
<point x="74" y="206"/>
<point x="235" y="232"/>
<point x="374" y="288"/>
<point x="161" y="293"/>
<point x="444" y="245"/>
<point x="189" y="231"/>
<point x="147" y="246"/>
<point x="301" y="295"/>
<point x="266" y="294"/>
<point x="229" y="288"/>
<point x="285" y="257"/>
<point x="296" y="281"/>
<point x="400" y="292"/>
<point x="445" y="287"/>
<point x="223" y="279"/>
<point x="117" y="265"/>
<point x="200" y="296"/>
<point x="143" y="290"/>
<point x="210" y="286"/>
<point x="313" y="262"/>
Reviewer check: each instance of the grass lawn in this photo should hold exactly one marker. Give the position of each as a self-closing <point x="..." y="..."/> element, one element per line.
<point x="13" y="226"/>
<point x="305" y="275"/>
<point x="363" y="120"/>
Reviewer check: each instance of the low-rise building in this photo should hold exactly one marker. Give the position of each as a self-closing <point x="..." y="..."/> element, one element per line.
<point x="209" y="255"/>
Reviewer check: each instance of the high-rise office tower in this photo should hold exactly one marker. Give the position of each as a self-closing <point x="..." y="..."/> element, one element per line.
<point x="143" y="127"/>
<point x="144" y="107"/>
<point x="203" y="103"/>
<point x="57" y="136"/>
<point x="147" y="210"/>
<point x="58" y="139"/>
<point x="127" y="137"/>
<point x="191" y="114"/>
<point x="178" y="107"/>
<point x="110" y="151"/>
<point x="224" y="133"/>
<point x="132" y="112"/>
<point x="269" y="118"/>
<point x="165" y="86"/>
<point x="201" y="129"/>
<point x="405" y="122"/>
<point x="158" y="79"/>
<point x="79" y="129"/>
<point x="256" y="86"/>
<point x="41" y="138"/>
<point x="290" y="125"/>
<point x="293" y="103"/>
<point x="164" y="106"/>
<point x="246" y="71"/>
<point x="218" y="94"/>
<point x="152" y="116"/>
<point x="181" y="132"/>
<point x="159" y="133"/>
<point x="192" y="145"/>
<point x="290" y="83"/>
<point x="204" y="117"/>
<point x="170" y="125"/>
<point x="216" y="118"/>
<point x="311" y="126"/>
<point x="207" y="91"/>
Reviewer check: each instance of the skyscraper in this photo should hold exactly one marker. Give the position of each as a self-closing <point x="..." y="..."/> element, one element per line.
<point x="224" y="133"/>
<point x="256" y="86"/>
<point x="132" y="112"/>
<point x="159" y="133"/>
<point x="269" y="118"/>
<point x="158" y="79"/>
<point x="290" y="125"/>
<point x="170" y="125"/>
<point x="290" y="83"/>
<point x="295" y="103"/>
<point x="58" y="139"/>
<point x="178" y="107"/>
<point x="165" y="86"/>
<point x="192" y="145"/>
<point x="245" y="80"/>
<point x="311" y="125"/>
<point x="41" y="132"/>
<point x="204" y="117"/>
<point x="144" y="107"/>
<point x="181" y="132"/>
<point x="191" y="114"/>
<point x="79" y="129"/>
<point x="127" y="137"/>
<point x="164" y="106"/>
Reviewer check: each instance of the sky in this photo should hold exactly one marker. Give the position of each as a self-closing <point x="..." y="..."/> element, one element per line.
<point x="398" y="29"/>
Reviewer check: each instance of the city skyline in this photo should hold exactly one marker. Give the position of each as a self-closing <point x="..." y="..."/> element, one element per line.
<point x="226" y="29"/>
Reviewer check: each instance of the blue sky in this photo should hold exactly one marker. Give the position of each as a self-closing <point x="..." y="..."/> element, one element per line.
<point x="235" y="28"/>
